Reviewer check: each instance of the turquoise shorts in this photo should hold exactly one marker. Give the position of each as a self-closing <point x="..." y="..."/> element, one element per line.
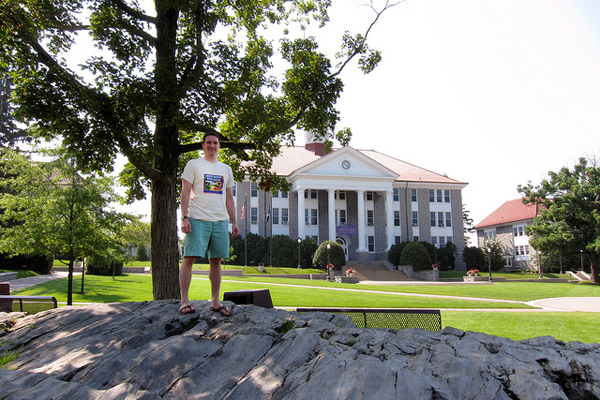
<point x="207" y="239"/>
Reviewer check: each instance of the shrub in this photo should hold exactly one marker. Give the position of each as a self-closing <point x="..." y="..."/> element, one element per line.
<point x="416" y="255"/>
<point x="284" y="251"/>
<point x="104" y="266"/>
<point x="395" y="252"/>
<point x="40" y="264"/>
<point x="336" y="255"/>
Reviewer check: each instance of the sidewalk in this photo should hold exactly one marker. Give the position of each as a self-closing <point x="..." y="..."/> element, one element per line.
<point x="23" y="283"/>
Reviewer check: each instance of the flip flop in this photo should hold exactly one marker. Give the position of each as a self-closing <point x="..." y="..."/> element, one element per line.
<point x="187" y="309"/>
<point x="224" y="310"/>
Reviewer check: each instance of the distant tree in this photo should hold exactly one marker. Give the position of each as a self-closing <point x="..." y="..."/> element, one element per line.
<point x="54" y="211"/>
<point x="569" y="218"/>
<point x="395" y="252"/>
<point x="492" y="249"/>
<point x="142" y="253"/>
<point x="308" y="248"/>
<point x="447" y="256"/>
<point x="474" y="258"/>
<point x="416" y="255"/>
<point x="284" y="251"/>
<point x="137" y="234"/>
<point x="468" y="226"/>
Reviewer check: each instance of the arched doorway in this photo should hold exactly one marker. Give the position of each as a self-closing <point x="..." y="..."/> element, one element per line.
<point x="343" y="241"/>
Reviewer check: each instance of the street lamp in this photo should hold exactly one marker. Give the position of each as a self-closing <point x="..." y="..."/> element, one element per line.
<point x="299" y="241"/>
<point x="328" y="269"/>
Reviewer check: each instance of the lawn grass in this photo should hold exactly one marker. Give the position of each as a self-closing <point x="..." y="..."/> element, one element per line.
<point x="246" y="270"/>
<point x="567" y="326"/>
<point x="572" y="326"/>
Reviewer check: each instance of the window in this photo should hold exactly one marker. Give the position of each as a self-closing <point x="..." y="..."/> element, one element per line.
<point x="310" y="216"/>
<point x="415" y="218"/>
<point x="275" y="216"/>
<point x="449" y="219"/>
<point x="254" y="215"/>
<point x="396" y="218"/>
<point x="416" y="239"/>
<point x="442" y="241"/>
<point x="446" y="196"/>
<point x="340" y="217"/>
<point x="440" y="219"/>
<point x="253" y="189"/>
<point x="431" y="195"/>
<point x="310" y="193"/>
<point x="369" y="196"/>
<point x="434" y="241"/>
<point x="276" y="194"/>
<point x="439" y="196"/>
<point x="284" y="195"/>
<point x="489" y="235"/>
<point x="397" y="239"/>
<point x="369" y="217"/>
<point x="396" y="194"/>
<point x="413" y="195"/>
<point x="432" y="218"/>
<point x="519" y="231"/>
<point x="371" y="243"/>
<point x="340" y="194"/>
<point x="449" y="239"/>
<point x="284" y="216"/>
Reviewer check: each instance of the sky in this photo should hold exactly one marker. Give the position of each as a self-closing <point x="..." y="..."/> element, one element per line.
<point x="492" y="93"/>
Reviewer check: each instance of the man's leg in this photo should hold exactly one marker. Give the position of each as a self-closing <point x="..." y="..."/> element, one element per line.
<point x="215" y="285"/>
<point x="185" y="278"/>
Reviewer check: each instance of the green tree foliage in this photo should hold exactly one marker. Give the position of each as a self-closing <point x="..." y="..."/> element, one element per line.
<point x="284" y="251"/>
<point x="447" y="256"/>
<point x="336" y="255"/>
<point x="492" y="249"/>
<point x="569" y="218"/>
<point x="395" y="252"/>
<point x="474" y="258"/>
<point x="10" y="134"/>
<point x="142" y="253"/>
<point x="163" y="76"/>
<point x="49" y="209"/>
<point x="416" y="255"/>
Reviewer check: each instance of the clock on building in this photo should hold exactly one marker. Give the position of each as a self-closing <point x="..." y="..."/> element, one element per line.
<point x="346" y="165"/>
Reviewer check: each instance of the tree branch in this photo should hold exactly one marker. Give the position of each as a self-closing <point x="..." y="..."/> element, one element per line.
<point x="359" y="49"/>
<point x="132" y="12"/>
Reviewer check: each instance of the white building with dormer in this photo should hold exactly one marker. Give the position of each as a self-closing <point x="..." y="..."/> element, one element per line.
<point x="363" y="199"/>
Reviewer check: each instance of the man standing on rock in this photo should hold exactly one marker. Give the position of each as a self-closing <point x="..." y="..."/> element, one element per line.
<point x="206" y="207"/>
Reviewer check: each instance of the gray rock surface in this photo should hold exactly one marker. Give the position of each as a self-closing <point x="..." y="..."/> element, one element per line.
<point x="149" y="351"/>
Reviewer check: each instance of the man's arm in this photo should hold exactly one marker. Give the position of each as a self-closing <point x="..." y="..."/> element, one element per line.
<point x="229" y="203"/>
<point x="186" y="190"/>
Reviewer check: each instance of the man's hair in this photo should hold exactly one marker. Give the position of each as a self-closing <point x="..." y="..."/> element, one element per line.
<point x="211" y="134"/>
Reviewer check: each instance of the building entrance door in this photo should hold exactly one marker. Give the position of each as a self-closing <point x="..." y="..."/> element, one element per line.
<point x="343" y="241"/>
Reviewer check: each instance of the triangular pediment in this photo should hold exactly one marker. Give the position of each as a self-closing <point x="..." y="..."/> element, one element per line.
<point x="347" y="161"/>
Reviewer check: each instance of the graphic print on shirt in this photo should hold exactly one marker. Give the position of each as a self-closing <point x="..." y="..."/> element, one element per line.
<point x="213" y="183"/>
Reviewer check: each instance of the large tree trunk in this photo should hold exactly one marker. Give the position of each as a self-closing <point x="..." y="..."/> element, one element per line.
<point x="165" y="243"/>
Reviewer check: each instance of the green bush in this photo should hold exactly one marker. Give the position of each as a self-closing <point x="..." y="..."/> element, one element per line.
<point x="39" y="264"/>
<point x="395" y="252"/>
<point x="336" y="255"/>
<point x="104" y="266"/>
<point x="416" y="255"/>
<point x="284" y="252"/>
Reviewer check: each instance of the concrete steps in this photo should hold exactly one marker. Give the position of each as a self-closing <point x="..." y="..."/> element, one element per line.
<point x="377" y="271"/>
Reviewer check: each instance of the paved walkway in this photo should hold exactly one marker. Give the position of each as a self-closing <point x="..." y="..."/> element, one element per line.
<point x="584" y="304"/>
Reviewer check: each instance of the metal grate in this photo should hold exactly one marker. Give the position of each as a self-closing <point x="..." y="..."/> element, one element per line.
<point x="393" y="318"/>
<point x="29" y="304"/>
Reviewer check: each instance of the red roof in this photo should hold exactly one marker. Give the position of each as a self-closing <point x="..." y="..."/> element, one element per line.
<point x="511" y="211"/>
<point x="294" y="158"/>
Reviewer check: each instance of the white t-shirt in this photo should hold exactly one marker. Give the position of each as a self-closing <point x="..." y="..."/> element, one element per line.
<point x="209" y="181"/>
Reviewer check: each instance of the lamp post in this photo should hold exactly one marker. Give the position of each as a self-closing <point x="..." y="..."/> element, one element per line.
<point x="328" y="269"/>
<point x="490" y="264"/>
<point x="299" y="260"/>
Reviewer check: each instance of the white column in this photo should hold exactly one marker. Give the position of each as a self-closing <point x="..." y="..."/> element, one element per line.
<point x="301" y="223"/>
<point x="331" y="213"/>
<point x="389" y="216"/>
<point x="361" y="221"/>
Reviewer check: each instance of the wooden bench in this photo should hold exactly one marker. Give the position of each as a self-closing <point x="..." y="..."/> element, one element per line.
<point x="28" y="304"/>
<point x="393" y="318"/>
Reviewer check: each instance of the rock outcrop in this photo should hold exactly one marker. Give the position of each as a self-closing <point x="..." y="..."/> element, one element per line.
<point x="149" y="351"/>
